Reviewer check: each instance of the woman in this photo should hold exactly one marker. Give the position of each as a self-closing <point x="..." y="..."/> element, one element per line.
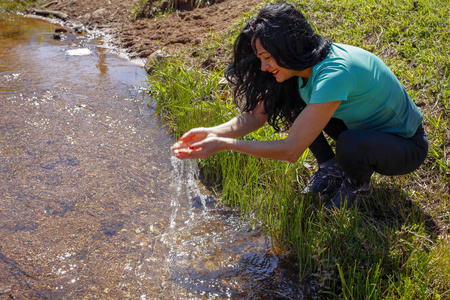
<point x="286" y="74"/>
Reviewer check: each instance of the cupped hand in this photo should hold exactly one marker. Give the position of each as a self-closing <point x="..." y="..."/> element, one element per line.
<point x="196" y="143"/>
<point x="196" y="134"/>
<point x="202" y="149"/>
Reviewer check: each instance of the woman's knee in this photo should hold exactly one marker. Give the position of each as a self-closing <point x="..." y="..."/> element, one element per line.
<point x="352" y="143"/>
<point x="354" y="156"/>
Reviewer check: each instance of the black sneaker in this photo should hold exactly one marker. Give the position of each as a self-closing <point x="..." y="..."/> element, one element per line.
<point x="349" y="194"/>
<point x="323" y="182"/>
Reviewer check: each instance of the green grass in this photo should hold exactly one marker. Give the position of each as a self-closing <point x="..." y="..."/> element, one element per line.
<point x="396" y="245"/>
<point x="15" y="6"/>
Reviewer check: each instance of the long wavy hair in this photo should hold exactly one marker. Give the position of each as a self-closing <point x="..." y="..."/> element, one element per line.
<point x="286" y="34"/>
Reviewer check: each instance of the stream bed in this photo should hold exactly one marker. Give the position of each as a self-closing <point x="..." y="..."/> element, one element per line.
<point x="92" y="203"/>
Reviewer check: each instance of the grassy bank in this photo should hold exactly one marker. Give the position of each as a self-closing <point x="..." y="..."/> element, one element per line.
<point x="394" y="246"/>
<point x="15" y="6"/>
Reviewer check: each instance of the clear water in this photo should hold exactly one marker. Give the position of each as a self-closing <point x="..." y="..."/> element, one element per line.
<point x="92" y="204"/>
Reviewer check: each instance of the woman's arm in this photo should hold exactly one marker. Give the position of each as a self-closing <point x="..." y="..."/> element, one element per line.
<point x="303" y="132"/>
<point x="240" y="125"/>
<point x="236" y="127"/>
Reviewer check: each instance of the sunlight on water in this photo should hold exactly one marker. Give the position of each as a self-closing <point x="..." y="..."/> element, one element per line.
<point x="93" y="205"/>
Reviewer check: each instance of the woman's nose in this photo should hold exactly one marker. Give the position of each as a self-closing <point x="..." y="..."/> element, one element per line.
<point x="264" y="66"/>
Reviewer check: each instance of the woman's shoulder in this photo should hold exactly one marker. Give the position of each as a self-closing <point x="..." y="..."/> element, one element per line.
<point x="337" y="61"/>
<point x="344" y="52"/>
<point x="344" y="58"/>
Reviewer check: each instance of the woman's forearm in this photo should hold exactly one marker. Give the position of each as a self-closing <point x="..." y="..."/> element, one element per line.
<point x="240" y="125"/>
<point x="279" y="149"/>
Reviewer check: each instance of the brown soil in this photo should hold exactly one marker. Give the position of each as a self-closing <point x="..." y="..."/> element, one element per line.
<point x="183" y="28"/>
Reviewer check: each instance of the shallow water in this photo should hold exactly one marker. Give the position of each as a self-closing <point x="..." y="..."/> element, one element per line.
<point x="93" y="205"/>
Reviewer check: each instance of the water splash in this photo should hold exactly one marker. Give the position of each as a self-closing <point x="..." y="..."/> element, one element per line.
<point x="185" y="185"/>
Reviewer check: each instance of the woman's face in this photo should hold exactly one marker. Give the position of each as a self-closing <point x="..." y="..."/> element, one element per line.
<point x="269" y="64"/>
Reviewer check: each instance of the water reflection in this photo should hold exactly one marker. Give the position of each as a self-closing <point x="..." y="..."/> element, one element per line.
<point x="92" y="206"/>
<point x="101" y="65"/>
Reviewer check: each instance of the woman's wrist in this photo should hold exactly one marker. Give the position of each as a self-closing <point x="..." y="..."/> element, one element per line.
<point x="217" y="131"/>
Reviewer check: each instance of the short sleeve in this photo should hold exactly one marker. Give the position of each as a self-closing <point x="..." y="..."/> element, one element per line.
<point x="333" y="82"/>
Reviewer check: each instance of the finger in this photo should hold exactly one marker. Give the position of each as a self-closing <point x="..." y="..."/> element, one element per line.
<point x="180" y="145"/>
<point x="196" y="146"/>
<point x="179" y="153"/>
<point x="187" y="136"/>
<point x="193" y="135"/>
<point x="176" y="145"/>
<point x="183" y="151"/>
<point x="188" y="154"/>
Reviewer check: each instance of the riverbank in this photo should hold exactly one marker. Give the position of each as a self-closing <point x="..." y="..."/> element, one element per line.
<point x="394" y="246"/>
<point x="189" y="28"/>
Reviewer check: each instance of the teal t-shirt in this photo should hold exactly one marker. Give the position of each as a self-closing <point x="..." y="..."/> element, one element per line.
<point x="373" y="98"/>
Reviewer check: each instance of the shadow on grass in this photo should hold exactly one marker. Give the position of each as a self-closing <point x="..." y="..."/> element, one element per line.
<point x="368" y="249"/>
<point x="393" y="207"/>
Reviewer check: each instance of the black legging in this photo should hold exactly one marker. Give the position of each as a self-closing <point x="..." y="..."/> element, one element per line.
<point x="361" y="152"/>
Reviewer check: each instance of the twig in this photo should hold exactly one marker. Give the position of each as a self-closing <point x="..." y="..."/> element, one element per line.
<point x="48" y="13"/>
<point x="49" y="4"/>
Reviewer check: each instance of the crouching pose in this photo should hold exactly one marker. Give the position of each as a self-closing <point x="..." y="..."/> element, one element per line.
<point x="286" y="74"/>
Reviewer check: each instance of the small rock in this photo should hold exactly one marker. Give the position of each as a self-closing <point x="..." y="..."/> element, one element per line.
<point x="153" y="59"/>
<point x="86" y="17"/>
<point x="99" y="14"/>
<point x="79" y="29"/>
<point x="60" y="30"/>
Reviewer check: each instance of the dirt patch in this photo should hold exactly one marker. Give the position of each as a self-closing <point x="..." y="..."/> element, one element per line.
<point x="188" y="28"/>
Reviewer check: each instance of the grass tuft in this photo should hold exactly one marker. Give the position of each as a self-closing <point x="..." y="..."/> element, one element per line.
<point x="17" y="6"/>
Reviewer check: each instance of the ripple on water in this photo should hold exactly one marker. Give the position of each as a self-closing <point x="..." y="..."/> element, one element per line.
<point x="93" y="205"/>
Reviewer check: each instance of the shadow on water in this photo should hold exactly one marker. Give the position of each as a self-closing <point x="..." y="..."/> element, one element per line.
<point x="92" y="205"/>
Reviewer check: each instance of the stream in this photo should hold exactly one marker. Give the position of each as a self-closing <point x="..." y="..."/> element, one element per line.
<point x="92" y="203"/>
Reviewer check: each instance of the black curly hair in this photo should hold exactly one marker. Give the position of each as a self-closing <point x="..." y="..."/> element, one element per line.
<point x="286" y="34"/>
